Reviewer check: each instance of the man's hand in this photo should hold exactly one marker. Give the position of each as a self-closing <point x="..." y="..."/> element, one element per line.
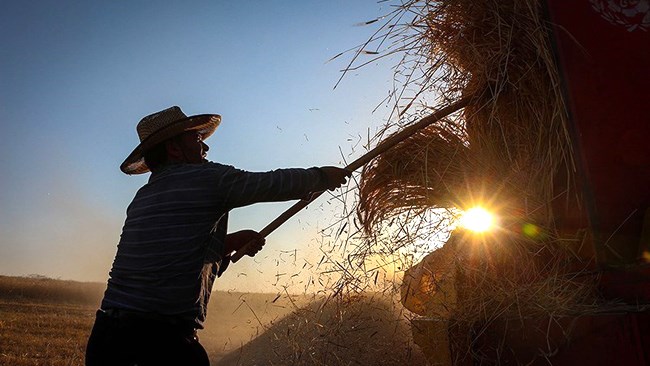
<point x="237" y="240"/>
<point x="336" y="177"/>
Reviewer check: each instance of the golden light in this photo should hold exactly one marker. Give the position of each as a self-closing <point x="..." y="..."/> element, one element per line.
<point x="477" y="219"/>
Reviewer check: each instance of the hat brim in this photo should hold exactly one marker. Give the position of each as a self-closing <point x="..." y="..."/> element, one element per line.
<point x="205" y="124"/>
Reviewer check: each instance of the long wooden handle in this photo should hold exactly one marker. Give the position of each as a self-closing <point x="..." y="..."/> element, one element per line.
<point x="358" y="163"/>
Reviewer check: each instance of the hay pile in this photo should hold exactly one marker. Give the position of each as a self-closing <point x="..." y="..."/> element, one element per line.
<point x="509" y="145"/>
<point x="509" y="151"/>
<point x="338" y="330"/>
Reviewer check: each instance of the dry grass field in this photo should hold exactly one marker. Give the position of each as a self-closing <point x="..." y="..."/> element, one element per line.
<point x="46" y="322"/>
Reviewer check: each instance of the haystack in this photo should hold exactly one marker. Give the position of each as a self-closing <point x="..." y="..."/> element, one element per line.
<point x="509" y="151"/>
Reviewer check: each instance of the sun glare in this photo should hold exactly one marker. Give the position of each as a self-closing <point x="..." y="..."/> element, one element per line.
<point x="477" y="219"/>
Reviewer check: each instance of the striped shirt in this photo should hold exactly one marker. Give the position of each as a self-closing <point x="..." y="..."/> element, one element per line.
<point x="172" y="243"/>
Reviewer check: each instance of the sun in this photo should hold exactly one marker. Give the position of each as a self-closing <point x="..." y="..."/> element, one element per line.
<point x="477" y="219"/>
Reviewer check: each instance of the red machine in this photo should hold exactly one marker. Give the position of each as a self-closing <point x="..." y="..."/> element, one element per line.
<point x="602" y="49"/>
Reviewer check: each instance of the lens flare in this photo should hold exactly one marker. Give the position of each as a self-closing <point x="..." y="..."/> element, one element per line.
<point x="531" y="230"/>
<point x="477" y="219"/>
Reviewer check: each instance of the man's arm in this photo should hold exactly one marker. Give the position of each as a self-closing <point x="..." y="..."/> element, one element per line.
<point x="237" y="188"/>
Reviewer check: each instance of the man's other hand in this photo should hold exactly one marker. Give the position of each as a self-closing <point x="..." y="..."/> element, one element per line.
<point x="336" y="177"/>
<point x="250" y="239"/>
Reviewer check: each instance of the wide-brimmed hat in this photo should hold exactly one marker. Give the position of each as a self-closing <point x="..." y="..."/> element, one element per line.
<point x="160" y="126"/>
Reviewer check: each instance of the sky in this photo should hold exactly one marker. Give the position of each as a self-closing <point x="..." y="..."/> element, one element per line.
<point x="77" y="76"/>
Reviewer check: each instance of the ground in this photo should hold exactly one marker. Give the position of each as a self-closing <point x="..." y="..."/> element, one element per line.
<point x="47" y="322"/>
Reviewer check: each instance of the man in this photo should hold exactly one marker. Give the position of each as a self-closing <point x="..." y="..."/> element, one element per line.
<point x="174" y="242"/>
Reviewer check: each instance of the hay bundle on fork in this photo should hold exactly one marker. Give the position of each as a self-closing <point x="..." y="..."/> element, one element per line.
<point x="515" y="138"/>
<point x="509" y="151"/>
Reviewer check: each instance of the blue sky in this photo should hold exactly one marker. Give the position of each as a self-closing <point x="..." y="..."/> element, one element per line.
<point x="77" y="76"/>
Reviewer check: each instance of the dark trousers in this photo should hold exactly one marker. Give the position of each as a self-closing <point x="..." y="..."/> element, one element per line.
<point x="121" y="339"/>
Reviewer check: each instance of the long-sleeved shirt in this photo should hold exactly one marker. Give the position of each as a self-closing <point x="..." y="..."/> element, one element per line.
<point x="172" y="243"/>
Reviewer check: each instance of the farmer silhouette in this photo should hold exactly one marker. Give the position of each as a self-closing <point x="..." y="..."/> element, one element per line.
<point x="174" y="242"/>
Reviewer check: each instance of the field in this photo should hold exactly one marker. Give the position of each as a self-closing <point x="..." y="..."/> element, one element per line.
<point x="47" y="322"/>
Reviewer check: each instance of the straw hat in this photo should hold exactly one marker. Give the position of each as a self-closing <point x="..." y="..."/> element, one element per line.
<point x="160" y="126"/>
